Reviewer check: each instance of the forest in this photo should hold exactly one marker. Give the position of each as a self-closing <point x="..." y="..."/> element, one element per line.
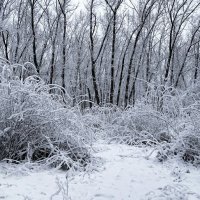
<point x="79" y="77"/>
<point x="110" y="52"/>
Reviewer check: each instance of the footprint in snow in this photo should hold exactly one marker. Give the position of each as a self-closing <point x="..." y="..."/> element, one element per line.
<point x="104" y="196"/>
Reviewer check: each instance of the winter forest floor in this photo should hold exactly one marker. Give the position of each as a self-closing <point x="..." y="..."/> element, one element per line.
<point x="118" y="172"/>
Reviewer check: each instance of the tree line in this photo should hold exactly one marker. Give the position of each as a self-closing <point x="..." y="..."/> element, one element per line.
<point x="110" y="51"/>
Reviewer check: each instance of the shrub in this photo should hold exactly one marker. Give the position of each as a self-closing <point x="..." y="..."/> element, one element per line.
<point x="99" y="119"/>
<point x="186" y="144"/>
<point x="140" y="125"/>
<point x="36" y="124"/>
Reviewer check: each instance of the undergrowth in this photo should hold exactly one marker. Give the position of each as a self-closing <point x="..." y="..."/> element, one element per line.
<point x="37" y="123"/>
<point x="165" y="119"/>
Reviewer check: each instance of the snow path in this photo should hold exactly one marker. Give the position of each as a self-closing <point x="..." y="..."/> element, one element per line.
<point x="121" y="173"/>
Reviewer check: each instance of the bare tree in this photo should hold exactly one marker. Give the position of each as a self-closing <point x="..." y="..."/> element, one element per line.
<point x="145" y="12"/>
<point x="114" y="8"/>
<point x="178" y="13"/>
<point x="95" y="58"/>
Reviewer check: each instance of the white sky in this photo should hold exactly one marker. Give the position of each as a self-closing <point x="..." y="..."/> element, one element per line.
<point x="80" y="2"/>
<point x="83" y="3"/>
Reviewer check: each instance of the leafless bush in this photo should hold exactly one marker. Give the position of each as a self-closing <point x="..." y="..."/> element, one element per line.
<point x="99" y="119"/>
<point x="133" y="126"/>
<point x="164" y="99"/>
<point x="186" y="144"/>
<point x="36" y="124"/>
<point x="140" y="125"/>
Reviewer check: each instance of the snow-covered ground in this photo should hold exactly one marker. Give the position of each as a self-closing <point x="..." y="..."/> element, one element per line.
<point x="118" y="172"/>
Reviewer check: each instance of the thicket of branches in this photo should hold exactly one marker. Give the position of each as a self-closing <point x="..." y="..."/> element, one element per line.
<point x="172" y="131"/>
<point x="36" y="122"/>
<point x="106" y="51"/>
